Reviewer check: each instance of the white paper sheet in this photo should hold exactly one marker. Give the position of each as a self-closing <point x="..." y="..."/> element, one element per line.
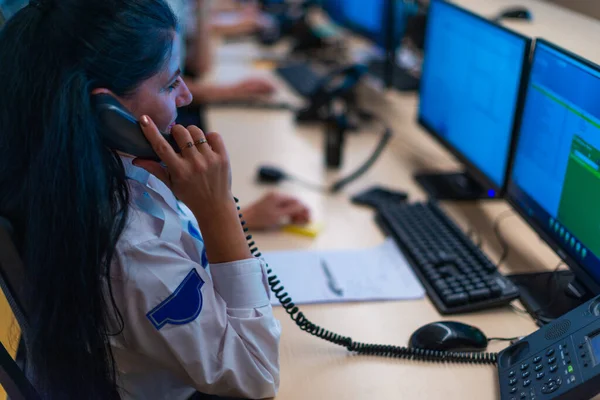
<point x="379" y="273"/>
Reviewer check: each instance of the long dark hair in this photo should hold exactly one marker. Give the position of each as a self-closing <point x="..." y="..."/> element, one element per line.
<point x="64" y="192"/>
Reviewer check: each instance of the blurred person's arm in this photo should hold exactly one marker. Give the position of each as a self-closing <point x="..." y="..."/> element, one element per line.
<point x="249" y="20"/>
<point x="247" y="89"/>
<point x="200" y="56"/>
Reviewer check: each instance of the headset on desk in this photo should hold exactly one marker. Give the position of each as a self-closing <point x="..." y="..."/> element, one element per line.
<point x="121" y="131"/>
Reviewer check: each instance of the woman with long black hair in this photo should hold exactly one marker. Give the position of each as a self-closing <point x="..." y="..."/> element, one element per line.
<point x="125" y="297"/>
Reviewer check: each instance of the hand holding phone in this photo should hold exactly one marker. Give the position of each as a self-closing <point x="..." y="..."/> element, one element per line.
<point x="200" y="176"/>
<point x="121" y="131"/>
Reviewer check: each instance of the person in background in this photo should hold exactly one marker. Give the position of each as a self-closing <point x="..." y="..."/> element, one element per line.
<point x="274" y="209"/>
<point x="129" y="292"/>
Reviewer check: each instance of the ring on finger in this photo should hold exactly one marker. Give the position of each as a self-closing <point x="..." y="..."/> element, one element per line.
<point x="188" y="145"/>
<point x="200" y="141"/>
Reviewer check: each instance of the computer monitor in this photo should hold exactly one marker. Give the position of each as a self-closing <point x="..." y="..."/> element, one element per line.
<point x="555" y="180"/>
<point x="382" y="22"/>
<point x="470" y="90"/>
<point x="367" y="18"/>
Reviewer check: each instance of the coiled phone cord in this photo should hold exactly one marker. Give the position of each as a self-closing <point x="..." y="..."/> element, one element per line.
<point x="357" y="347"/>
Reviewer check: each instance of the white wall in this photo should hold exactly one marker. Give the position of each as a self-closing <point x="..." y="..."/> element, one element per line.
<point x="588" y="7"/>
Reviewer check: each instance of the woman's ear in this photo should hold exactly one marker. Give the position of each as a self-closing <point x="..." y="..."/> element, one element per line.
<point x="103" y="91"/>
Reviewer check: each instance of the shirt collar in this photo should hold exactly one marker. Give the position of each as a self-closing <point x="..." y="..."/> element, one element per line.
<point x="133" y="172"/>
<point x="150" y="181"/>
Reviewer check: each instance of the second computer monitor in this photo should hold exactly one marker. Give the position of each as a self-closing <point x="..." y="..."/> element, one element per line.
<point x="469" y="95"/>
<point x="555" y="181"/>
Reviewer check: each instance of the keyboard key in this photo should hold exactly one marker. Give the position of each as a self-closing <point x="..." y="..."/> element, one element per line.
<point x="458" y="298"/>
<point x="495" y="290"/>
<point x="478" y="294"/>
<point x="440" y="284"/>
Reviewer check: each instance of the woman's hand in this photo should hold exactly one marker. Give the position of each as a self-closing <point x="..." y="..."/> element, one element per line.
<point x="200" y="176"/>
<point x="252" y="88"/>
<point x="274" y="210"/>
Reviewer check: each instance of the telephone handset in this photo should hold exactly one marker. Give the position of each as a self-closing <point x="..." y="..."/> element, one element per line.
<point x="561" y="360"/>
<point x="121" y="131"/>
<point x="335" y="84"/>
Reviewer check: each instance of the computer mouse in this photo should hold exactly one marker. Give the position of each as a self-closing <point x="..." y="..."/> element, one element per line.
<point x="449" y="336"/>
<point x="515" y="13"/>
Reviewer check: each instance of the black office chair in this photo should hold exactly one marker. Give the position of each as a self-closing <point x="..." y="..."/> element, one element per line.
<point x="13" y="373"/>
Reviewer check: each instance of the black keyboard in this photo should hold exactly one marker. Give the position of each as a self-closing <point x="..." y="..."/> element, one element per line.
<point x="301" y="77"/>
<point x="456" y="274"/>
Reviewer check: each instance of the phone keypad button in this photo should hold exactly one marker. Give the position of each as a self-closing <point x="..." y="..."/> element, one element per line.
<point x="539" y="375"/>
<point x="539" y="367"/>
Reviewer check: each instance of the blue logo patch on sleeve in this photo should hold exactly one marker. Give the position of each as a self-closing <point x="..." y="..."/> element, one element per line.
<point x="182" y="306"/>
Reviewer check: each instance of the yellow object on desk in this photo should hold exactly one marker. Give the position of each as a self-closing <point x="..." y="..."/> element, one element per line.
<point x="310" y="230"/>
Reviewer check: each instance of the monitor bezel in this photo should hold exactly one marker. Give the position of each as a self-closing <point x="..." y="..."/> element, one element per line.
<point x="583" y="276"/>
<point x="474" y="172"/>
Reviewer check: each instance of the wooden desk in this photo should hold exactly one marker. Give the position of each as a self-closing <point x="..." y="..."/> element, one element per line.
<point x="314" y="369"/>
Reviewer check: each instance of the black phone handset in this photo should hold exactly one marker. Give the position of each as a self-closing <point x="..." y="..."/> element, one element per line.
<point x="335" y="84"/>
<point x="357" y="347"/>
<point x="121" y="131"/>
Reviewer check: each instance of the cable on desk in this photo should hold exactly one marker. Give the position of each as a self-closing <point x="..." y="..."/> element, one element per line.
<point x="501" y="339"/>
<point x="539" y="316"/>
<point x="518" y="310"/>
<point x="478" y="240"/>
<point x="357" y="347"/>
<point x="503" y="245"/>
<point x="273" y="174"/>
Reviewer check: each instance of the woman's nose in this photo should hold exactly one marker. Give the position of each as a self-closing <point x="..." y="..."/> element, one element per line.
<point x="185" y="96"/>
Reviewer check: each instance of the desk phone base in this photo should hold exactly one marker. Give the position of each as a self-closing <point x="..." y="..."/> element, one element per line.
<point x="559" y="361"/>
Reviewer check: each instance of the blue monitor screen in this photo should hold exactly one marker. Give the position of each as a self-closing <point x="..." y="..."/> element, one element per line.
<point x="366" y="17"/>
<point x="470" y="86"/>
<point x="335" y="10"/>
<point x="556" y="172"/>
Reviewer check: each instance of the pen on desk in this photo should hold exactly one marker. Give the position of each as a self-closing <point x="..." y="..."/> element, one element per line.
<point x="330" y="280"/>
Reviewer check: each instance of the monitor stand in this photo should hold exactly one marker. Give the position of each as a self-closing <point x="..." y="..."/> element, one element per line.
<point x="548" y="295"/>
<point x="453" y="186"/>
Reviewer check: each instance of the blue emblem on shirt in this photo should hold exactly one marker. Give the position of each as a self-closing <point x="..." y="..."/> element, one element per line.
<point x="181" y="307"/>
<point x="196" y="235"/>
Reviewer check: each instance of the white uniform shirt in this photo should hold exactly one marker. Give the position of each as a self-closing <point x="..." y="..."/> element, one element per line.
<point x="188" y="326"/>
